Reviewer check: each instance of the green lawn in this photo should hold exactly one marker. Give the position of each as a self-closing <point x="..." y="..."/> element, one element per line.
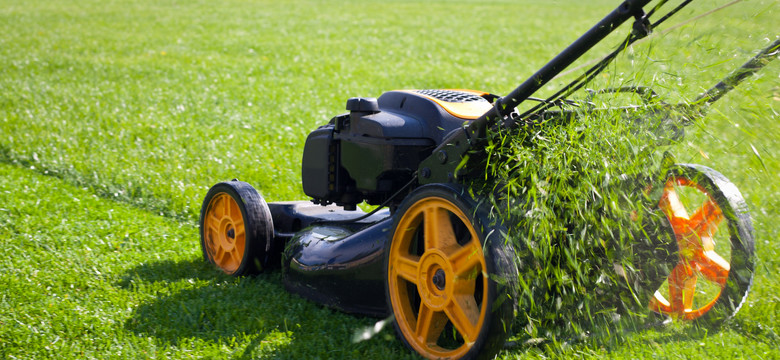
<point x="116" y="117"/>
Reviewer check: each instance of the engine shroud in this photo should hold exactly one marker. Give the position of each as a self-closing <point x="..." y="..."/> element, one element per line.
<point x="373" y="151"/>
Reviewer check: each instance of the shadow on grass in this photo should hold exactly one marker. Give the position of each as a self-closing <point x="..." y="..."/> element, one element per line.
<point x="167" y="271"/>
<point x="191" y="301"/>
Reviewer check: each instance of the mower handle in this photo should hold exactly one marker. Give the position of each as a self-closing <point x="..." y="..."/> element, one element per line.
<point x="749" y="68"/>
<point x="505" y="105"/>
<point x="446" y="160"/>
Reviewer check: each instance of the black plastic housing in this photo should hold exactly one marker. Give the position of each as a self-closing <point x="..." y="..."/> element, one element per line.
<point x="330" y="259"/>
<point x="374" y="150"/>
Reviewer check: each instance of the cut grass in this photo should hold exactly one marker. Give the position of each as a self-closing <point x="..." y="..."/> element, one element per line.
<point x="89" y="278"/>
<point x="150" y="103"/>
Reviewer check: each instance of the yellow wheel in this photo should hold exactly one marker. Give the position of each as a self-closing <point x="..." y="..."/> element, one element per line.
<point x="714" y="238"/>
<point x="442" y="272"/>
<point x="236" y="230"/>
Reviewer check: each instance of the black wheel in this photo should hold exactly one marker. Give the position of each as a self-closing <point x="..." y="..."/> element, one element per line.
<point x="450" y="276"/>
<point x="715" y="244"/>
<point x="236" y="229"/>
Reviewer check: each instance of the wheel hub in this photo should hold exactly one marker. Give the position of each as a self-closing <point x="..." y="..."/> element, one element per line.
<point x="229" y="231"/>
<point x="432" y="279"/>
<point x="439" y="279"/>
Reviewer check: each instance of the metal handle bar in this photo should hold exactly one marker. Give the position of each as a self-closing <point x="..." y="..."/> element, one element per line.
<point x="505" y="105"/>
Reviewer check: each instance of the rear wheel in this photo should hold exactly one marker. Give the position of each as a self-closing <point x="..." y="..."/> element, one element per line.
<point x="236" y="229"/>
<point x="715" y="243"/>
<point x="449" y="276"/>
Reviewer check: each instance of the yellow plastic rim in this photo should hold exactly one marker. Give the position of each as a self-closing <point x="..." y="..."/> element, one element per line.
<point x="224" y="233"/>
<point x="446" y="283"/>
<point x="699" y="265"/>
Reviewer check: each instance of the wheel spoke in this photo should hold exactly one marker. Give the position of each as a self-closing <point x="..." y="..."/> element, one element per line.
<point x="235" y="256"/>
<point x="466" y="261"/>
<point x="225" y="204"/>
<point x="713" y="267"/>
<point x="679" y="287"/>
<point x="689" y="291"/>
<point x="219" y="254"/>
<point x="406" y="268"/>
<point x="239" y="244"/>
<point x="233" y="210"/>
<point x="463" y="312"/>
<point x="219" y="206"/>
<point x="430" y="324"/>
<point x="659" y="304"/>
<point x="439" y="233"/>
<point x="239" y="228"/>
<point x="671" y="205"/>
<point x="212" y="225"/>
<point x="704" y="223"/>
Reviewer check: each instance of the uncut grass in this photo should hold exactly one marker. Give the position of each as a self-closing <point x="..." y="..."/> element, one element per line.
<point x="149" y="103"/>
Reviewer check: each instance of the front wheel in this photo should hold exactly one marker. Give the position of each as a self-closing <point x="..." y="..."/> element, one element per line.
<point x="715" y="244"/>
<point x="236" y="230"/>
<point x="449" y="276"/>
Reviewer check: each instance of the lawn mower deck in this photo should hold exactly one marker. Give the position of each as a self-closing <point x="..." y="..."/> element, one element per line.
<point x="331" y="258"/>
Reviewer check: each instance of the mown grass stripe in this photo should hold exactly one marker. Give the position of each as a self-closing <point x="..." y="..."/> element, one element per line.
<point x="84" y="277"/>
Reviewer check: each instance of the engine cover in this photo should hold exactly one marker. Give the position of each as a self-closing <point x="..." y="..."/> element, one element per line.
<point x="373" y="151"/>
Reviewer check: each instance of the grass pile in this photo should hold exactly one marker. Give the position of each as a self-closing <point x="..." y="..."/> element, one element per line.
<point x="576" y="194"/>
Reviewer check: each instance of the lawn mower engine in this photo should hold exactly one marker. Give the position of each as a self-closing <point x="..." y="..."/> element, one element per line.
<point x="373" y="151"/>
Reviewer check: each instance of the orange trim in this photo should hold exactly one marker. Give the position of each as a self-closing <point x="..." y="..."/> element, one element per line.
<point x="465" y="110"/>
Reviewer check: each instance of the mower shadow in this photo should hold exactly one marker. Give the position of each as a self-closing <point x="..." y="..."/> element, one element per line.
<point x="165" y="271"/>
<point x="254" y="315"/>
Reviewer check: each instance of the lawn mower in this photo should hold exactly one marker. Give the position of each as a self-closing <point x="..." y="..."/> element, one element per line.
<point x="429" y="255"/>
